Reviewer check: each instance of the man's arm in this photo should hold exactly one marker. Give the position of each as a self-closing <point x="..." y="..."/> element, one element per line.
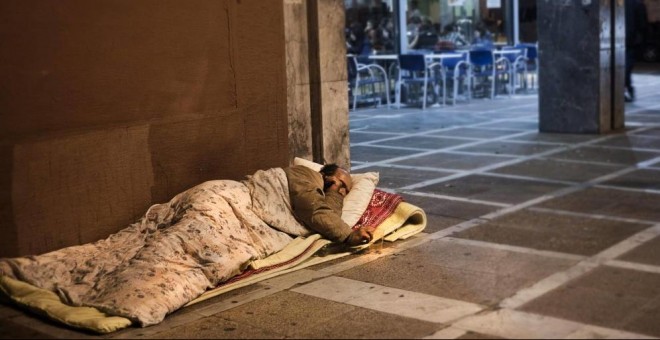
<point x="321" y="213"/>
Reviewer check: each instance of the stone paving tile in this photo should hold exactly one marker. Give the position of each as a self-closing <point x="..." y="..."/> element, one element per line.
<point x="397" y="177"/>
<point x="547" y="231"/>
<point x="647" y="253"/>
<point x="609" y="297"/>
<point x="431" y="143"/>
<point x="473" y="335"/>
<point x="436" y="223"/>
<point x="640" y="179"/>
<point x="360" y="137"/>
<point x="609" y="202"/>
<point x="467" y="273"/>
<point x="414" y="123"/>
<point x="302" y="316"/>
<point x="453" y="161"/>
<point x="375" y="154"/>
<point x="493" y="189"/>
<point x="606" y="155"/>
<point x="560" y="138"/>
<point x="476" y="133"/>
<point x="514" y="125"/>
<point x="7" y="310"/>
<point x="367" y="324"/>
<point x="450" y="208"/>
<point x="10" y="330"/>
<point x="653" y="132"/>
<point x="509" y="148"/>
<point x="632" y="141"/>
<point x="217" y="328"/>
<point x="558" y="170"/>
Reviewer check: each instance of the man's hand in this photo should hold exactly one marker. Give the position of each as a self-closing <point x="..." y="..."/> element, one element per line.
<point x="358" y="237"/>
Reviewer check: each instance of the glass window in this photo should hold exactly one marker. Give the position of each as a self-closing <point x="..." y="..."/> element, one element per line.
<point x="455" y="24"/>
<point x="370" y="27"/>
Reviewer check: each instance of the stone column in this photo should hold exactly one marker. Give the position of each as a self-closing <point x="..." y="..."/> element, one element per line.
<point x="297" y="79"/>
<point x="328" y="81"/>
<point x="581" y="56"/>
<point x="317" y="88"/>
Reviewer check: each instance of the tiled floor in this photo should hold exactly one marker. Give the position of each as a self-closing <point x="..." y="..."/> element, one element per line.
<point x="530" y="235"/>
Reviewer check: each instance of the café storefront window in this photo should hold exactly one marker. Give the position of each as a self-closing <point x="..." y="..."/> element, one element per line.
<point x="371" y="27"/>
<point x="374" y="26"/>
<point x="455" y="24"/>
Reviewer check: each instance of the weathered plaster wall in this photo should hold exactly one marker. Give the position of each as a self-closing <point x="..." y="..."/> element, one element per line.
<point x="109" y="106"/>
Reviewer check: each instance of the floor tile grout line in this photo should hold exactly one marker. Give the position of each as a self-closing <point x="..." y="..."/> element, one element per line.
<point x="444" y="129"/>
<point x="511" y="162"/>
<point x="456" y="198"/>
<point x="643" y="267"/>
<point x="516" y="249"/>
<point x="393" y="147"/>
<point x="528" y="178"/>
<point x="583" y="267"/>
<point x="593" y="216"/>
<point x="477" y="153"/>
<point x="397" y="159"/>
<point x="622" y="188"/>
<point x="413" y="167"/>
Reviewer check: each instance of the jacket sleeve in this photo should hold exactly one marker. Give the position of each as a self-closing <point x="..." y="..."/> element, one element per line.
<point x="321" y="213"/>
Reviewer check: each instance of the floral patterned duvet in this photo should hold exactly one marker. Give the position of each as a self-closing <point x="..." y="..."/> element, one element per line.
<point x="178" y="250"/>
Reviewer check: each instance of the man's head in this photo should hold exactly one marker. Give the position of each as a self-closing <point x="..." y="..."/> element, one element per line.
<point x="334" y="175"/>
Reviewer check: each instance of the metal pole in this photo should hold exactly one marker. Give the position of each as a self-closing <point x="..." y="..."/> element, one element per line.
<point x="403" y="26"/>
<point x="516" y="22"/>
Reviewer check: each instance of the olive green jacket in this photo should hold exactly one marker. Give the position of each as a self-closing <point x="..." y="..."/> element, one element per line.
<point x="317" y="210"/>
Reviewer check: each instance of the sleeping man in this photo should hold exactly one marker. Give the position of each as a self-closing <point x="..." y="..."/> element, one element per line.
<point x="317" y="199"/>
<point x="202" y="237"/>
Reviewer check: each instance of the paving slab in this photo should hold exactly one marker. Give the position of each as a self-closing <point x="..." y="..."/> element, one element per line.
<point x="647" y="253"/>
<point x="216" y="328"/>
<point x="606" y="155"/>
<point x="450" y="208"/>
<point x="609" y="202"/>
<point x="633" y="141"/>
<point x="559" y="138"/>
<point x="303" y="316"/>
<point x="475" y="335"/>
<point x="374" y="154"/>
<point x="652" y="132"/>
<point x="480" y="133"/>
<point x="361" y="137"/>
<point x="468" y="273"/>
<point x="509" y="148"/>
<point x="443" y="160"/>
<point x="11" y="330"/>
<point x="493" y="189"/>
<point x="393" y="178"/>
<point x="553" y="232"/>
<point x="639" y="179"/>
<point x="558" y="170"/>
<point x="431" y="143"/>
<point x="513" y="125"/>
<point x="608" y="297"/>
<point x="438" y="222"/>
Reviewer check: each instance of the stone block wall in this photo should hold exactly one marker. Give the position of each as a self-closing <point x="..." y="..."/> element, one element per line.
<point x="110" y="106"/>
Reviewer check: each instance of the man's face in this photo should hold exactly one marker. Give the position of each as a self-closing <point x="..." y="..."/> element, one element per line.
<point x="345" y="178"/>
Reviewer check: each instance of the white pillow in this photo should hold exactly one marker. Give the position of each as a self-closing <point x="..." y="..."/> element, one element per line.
<point x="357" y="201"/>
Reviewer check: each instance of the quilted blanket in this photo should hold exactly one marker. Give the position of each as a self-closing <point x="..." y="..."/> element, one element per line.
<point x="174" y="253"/>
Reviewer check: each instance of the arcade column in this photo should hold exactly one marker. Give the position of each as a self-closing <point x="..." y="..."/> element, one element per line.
<point x="581" y="65"/>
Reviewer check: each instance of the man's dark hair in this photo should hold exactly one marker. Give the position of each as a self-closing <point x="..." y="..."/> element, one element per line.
<point x="329" y="169"/>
